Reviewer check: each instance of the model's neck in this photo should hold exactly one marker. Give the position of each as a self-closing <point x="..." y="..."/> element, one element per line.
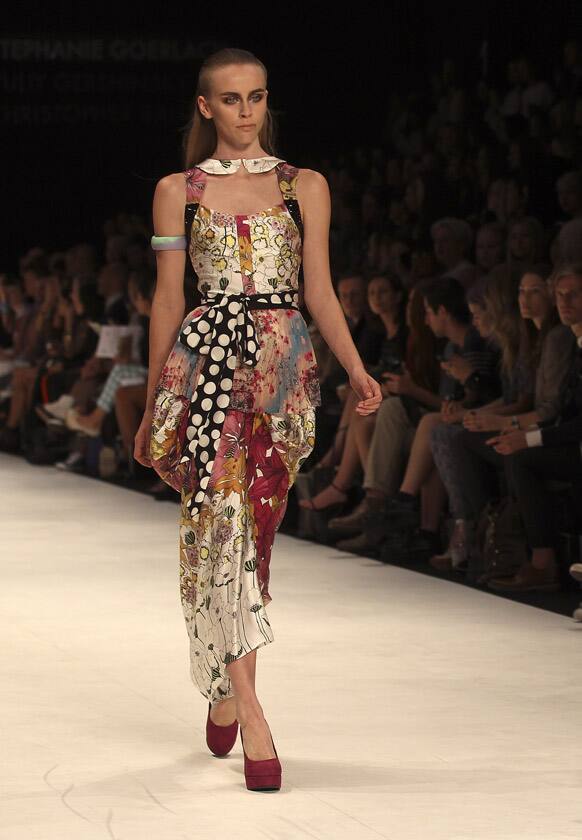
<point x="225" y="152"/>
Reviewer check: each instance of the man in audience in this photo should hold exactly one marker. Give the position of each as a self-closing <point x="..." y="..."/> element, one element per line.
<point x="452" y="240"/>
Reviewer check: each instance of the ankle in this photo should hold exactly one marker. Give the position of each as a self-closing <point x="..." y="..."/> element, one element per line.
<point x="249" y="714"/>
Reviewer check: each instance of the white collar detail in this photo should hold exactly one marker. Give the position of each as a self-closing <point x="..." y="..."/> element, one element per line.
<point x="216" y="166"/>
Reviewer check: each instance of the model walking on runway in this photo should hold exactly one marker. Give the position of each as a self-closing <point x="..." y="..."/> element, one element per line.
<point x="232" y="387"/>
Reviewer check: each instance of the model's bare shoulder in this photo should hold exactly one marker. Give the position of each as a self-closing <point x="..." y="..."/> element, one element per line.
<point x="171" y="186"/>
<point x="169" y="200"/>
<point x="312" y="190"/>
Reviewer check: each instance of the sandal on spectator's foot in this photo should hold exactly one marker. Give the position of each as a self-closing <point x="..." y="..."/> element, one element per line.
<point x="308" y="504"/>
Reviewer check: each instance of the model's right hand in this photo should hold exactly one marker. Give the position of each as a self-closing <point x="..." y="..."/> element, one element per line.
<point x="141" y="451"/>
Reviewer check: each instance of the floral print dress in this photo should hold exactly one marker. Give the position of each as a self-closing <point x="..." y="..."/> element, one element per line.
<point x="245" y="356"/>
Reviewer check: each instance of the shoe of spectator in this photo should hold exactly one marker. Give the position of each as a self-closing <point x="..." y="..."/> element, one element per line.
<point x="9" y="439"/>
<point x="527" y="579"/>
<point x="358" y="545"/>
<point x="48" y="418"/>
<point x="406" y="513"/>
<point x="405" y="543"/>
<point x="58" y="408"/>
<point x="107" y="462"/>
<point x="442" y="562"/>
<point x="576" y="571"/>
<point x="577" y="614"/>
<point x="352" y="523"/>
<point x="73" y="463"/>
<point x="72" y="422"/>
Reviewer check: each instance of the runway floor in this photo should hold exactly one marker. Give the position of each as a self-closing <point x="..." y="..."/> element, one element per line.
<point x="402" y="706"/>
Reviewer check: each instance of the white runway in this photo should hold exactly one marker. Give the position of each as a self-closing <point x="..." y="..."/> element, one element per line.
<point x="402" y="706"/>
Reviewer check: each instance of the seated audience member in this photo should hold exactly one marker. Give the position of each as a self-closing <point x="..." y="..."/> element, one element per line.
<point x="467" y="466"/>
<point x="112" y="285"/>
<point x="77" y="343"/>
<point x="466" y="355"/>
<point x="386" y="300"/>
<point x="32" y="349"/>
<point x="452" y="240"/>
<point x="125" y="370"/>
<point x="552" y="451"/>
<point x="365" y="328"/>
<point x="367" y="333"/>
<point x="525" y="242"/>
<point x="490" y="246"/>
<point x="408" y="394"/>
<point x="569" y="191"/>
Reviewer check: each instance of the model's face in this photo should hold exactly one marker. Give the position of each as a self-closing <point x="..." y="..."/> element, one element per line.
<point x="534" y="298"/>
<point x="569" y="299"/>
<point x="237" y="103"/>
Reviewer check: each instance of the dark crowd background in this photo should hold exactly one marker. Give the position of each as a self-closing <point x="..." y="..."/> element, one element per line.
<point x="451" y="138"/>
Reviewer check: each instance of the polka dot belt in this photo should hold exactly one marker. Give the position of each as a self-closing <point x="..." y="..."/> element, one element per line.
<point x="225" y="332"/>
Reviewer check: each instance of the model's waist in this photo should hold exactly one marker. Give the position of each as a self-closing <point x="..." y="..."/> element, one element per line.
<point x="283" y="299"/>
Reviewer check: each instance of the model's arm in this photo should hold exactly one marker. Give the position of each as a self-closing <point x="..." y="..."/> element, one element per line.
<point x="168" y="302"/>
<point x="320" y="297"/>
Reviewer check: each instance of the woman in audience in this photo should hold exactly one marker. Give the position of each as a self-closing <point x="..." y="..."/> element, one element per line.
<point x="547" y="347"/>
<point x="548" y="452"/>
<point x="126" y="369"/>
<point x="386" y="299"/>
<point x="43" y="288"/>
<point x="409" y="394"/>
<point x="490" y="246"/>
<point x="525" y="243"/>
<point x="469" y="364"/>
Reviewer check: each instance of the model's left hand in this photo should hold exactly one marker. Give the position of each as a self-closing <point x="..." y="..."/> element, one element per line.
<point x="508" y="443"/>
<point x="368" y="390"/>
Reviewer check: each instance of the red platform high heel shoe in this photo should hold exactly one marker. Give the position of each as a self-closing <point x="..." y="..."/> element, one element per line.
<point x="220" y="739"/>
<point x="262" y="774"/>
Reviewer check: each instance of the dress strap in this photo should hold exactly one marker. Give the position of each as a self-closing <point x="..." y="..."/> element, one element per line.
<point x="288" y="175"/>
<point x="195" y="183"/>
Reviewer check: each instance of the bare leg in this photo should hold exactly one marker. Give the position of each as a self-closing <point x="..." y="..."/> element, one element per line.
<point x="249" y="712"/>
<point x="420" y="463"/>
<point x="129" y="408"/>
<point x="347" y="470"/>
<point x="22" y="383"/>
<point x="363" y="430"/>
<point x="433" y="497"/>
<point x="334" y="453"/>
